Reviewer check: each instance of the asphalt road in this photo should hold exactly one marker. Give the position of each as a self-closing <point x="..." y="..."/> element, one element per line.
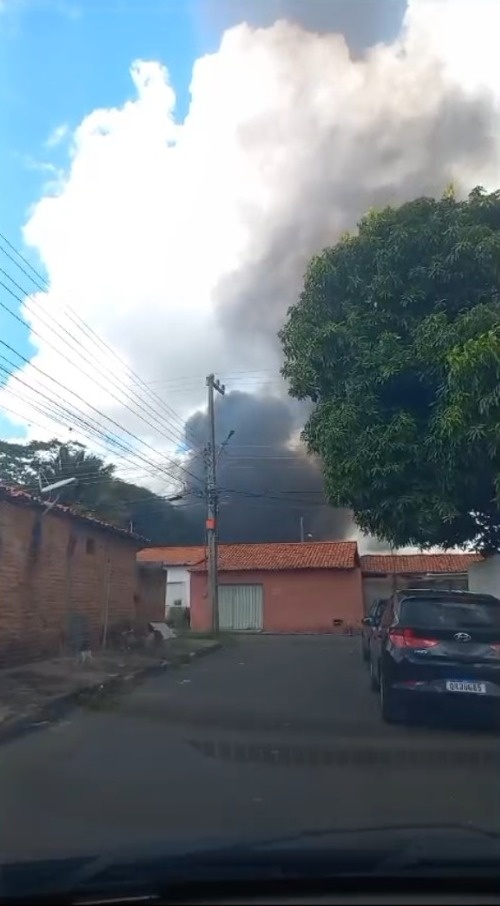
<point x="270" y="736"/>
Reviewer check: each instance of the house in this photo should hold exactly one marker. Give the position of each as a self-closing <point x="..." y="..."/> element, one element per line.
<point x="281" y="587"/>
<point x="314" y="586"/>
<point x="67" y="579"/>
<point x="484" y="575"/>
<point x="385" y="573"/>
<point x="175" y="562"/>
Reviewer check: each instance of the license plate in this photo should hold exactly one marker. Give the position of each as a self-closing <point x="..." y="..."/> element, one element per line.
<point x="464" y="686"/>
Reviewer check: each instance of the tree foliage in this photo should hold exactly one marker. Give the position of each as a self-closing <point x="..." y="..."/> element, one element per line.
<point x="97" y="491"/>
<point x="396" y="341"/>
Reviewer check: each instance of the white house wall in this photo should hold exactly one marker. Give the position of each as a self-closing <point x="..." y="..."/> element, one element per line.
<point x="484" y="577"/>
<point x="178" y="586"/>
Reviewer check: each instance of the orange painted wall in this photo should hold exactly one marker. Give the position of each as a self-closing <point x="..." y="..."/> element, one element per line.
<point x="294" y="600"/>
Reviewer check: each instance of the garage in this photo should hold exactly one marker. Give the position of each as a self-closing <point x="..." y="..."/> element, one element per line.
<point x="241" y="608"/>
<point x="281" y="587"/>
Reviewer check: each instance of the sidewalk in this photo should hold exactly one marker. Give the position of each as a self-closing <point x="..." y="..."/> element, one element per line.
<point x="36" y="694"/>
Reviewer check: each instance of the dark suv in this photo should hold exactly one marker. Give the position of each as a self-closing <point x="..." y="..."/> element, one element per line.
<point x="436" y="646"/>
<point x="369" y="625"/>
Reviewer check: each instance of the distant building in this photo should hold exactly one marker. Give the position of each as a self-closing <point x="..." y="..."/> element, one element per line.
<point x="385" y="573"/>
<point x="313" y="586"/>
<point x="66" y="579"/>
<point x="175" y="562"/>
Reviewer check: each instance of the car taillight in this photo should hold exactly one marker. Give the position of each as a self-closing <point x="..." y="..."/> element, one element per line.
<point x="406" y="638"/>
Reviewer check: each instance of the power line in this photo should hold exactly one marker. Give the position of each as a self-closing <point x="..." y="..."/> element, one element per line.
<point x="266" y="495"/>
<point x="90" y="405"/>
<point x="42" y="283"/>
<point x="229" y="375"/>
<point x="55" y="413"/>
<point x="107" y="387"/>
<point x="86" y="425"/>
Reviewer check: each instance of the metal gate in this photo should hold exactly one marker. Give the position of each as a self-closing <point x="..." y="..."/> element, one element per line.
<point x="241" y="607"/>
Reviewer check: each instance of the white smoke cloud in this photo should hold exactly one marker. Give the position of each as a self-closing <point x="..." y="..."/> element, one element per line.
<point x="182" y="244"/>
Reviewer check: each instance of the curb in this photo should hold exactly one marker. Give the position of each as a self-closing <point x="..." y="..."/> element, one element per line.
<point x="55" y="709"/>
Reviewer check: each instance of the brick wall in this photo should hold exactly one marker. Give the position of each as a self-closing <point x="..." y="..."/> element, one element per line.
<point x="294" y="600"/>
<point x="58" y="577"/>
<point x="150" y="595"/>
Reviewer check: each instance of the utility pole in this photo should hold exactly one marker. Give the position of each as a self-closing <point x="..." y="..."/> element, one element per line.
<point x="302" y="537"/>
<point x="211" y="524"/>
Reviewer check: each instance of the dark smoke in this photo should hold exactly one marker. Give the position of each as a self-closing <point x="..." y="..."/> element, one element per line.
<point x="265" y="484"/>
<point x="353" y="157"/>
<point x="362" y="22"/>
<point x="366" y="127"/>
<point x="408" y="156"/>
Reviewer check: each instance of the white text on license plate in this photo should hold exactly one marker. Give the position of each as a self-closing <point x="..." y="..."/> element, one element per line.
<point x="463" y="686"/>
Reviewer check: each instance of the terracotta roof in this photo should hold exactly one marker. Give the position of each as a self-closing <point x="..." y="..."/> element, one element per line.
<point x="19" y="497"/>
<point x="295" y="555"/>
<point x="406" y="564"/>
<point x="172" y="556"/>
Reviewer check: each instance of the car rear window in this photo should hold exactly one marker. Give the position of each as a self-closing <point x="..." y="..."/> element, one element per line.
<point x="450" y="614"/>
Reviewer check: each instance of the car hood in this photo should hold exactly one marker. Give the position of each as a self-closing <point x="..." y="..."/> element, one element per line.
<point x="396" y="850"/>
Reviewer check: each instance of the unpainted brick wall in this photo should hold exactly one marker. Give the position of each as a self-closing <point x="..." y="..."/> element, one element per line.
<point x="150" y="595"/>
<point x="55" y="570"/>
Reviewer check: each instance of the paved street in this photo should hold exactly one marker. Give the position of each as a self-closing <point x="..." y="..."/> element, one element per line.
<point x="271" y="735"/>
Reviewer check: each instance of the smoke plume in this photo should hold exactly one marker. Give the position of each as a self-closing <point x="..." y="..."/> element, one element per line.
<point x="183" y="244"/>
<point x="267" y="482"/>
<point x="369" y="147"/>
<point x="362" y="24"/>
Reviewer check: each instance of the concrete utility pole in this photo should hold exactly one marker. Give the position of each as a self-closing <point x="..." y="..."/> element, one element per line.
<point x="211" y="523"/>
<point x="302" y="536"/>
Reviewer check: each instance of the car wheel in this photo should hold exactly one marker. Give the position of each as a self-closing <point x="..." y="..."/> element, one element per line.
<point x="374" y="683"/>
<point x="390" y="705"/>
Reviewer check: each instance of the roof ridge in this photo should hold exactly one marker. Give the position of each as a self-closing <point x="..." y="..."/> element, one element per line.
<point x="294" y="543"/>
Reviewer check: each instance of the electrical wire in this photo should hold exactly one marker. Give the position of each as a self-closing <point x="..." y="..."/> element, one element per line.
<point x="176" y="438"/>
<point x="89" y="405"/>
<point x="86" y="426"/>
<point x="42" y="284"/>
<point x="265" y="495"/>
<point x="56" y="413"/>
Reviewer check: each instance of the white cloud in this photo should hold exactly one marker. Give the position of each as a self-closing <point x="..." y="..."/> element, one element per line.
<point x="57" y="136"/>
<point x="465" y="35"/>
<point x="170" y="240"/>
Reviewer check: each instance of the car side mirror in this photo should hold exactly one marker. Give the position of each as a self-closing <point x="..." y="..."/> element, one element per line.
<point x="367" y="621"/>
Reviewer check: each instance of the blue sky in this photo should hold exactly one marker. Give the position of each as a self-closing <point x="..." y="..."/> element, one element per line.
<point x="59" y="60"/>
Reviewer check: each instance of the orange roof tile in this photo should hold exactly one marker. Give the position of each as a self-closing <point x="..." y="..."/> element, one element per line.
<point x="281" y="555"/>
<point x="172" y="556"/>
<point x="406" y="564"/>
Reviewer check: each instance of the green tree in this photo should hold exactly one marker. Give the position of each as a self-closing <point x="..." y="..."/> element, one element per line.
<point x="50" y="461"/>
<point x="97" y="490"/>
<point x="396" y="341"/>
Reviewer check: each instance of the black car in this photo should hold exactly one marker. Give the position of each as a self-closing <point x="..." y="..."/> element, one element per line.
<point x="369" y="625"/>
<point x="435" y="646"/>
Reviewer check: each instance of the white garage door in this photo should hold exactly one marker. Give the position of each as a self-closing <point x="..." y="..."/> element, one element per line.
<point x="241" y="607"/>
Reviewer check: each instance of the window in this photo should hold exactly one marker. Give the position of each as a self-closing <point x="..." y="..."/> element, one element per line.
<point x="451" y="614"/>
<point x="377" y="610"/>
<point x="387" y="616"/>
<point x="90" y="546"/>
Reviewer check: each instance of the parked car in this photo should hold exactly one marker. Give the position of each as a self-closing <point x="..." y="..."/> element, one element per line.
<point x="435" y="646"/>
<point x="369" y="625"/>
